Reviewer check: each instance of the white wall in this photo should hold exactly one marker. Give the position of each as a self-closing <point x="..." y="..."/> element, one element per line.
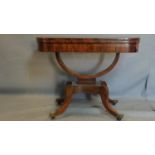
<point x="25" y="70"/>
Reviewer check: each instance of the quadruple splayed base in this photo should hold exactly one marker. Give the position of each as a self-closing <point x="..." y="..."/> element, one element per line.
<point x="87" y="86"/>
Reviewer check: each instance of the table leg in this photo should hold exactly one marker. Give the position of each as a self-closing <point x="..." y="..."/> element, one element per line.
<point x="65" y="104"/>
<point x="104" y="93"/>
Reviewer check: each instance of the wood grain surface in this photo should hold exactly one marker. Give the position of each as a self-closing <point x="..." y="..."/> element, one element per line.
<point x="106" y="45"/>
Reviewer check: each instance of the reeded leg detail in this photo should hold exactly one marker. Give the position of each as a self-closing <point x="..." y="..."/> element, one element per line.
<point x="104" y="93"/>
<point x="65" y="104"/>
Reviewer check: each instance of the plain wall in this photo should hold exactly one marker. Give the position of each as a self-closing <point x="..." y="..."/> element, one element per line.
<point x="23" y="69"/>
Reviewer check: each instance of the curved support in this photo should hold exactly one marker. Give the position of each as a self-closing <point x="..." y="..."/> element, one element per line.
<point x="80" y="76"/>
<point x="66" y="102"/>
<point x="105" y="101"/>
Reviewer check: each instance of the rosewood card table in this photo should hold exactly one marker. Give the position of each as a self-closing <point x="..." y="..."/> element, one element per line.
<point x="87" y="83"/>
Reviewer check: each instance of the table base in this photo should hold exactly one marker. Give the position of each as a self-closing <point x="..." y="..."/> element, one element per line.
<point x="90" y="87"/>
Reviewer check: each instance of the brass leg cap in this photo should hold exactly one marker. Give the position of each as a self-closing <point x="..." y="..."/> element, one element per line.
<point x="52" y="116"/>
<point x="119" y="117"/>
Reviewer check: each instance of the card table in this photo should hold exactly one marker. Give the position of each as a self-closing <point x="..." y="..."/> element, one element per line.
<point x="87" y="83"/>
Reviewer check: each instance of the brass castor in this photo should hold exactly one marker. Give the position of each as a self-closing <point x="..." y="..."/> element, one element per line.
<point x="52" y="116"/>
<point x="59" y="101"/>
<point x="119" y="117"/>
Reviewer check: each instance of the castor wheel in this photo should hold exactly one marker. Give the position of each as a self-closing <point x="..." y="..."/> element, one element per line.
<point x="119" y="117"/>
<point x="52" y="116"/>
<point x="59" y="101"/>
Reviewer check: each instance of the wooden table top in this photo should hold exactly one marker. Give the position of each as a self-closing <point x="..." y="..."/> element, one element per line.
<point x="105" y="45"/>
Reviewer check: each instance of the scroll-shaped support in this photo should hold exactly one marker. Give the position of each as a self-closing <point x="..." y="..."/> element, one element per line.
<point x="80" y="76"/>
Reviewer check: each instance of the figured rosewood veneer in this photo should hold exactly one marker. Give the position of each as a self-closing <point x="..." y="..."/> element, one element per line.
<point x="87" y="83"/>
<point x="88" y="45"/>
